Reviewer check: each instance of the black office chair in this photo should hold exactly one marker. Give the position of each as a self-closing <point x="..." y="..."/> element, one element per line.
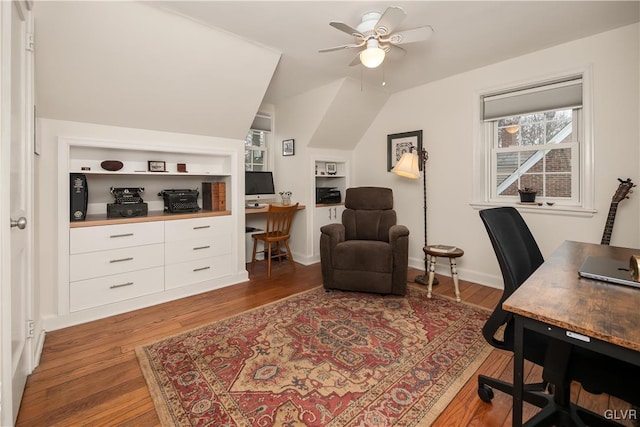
<point x="519" y="256"/>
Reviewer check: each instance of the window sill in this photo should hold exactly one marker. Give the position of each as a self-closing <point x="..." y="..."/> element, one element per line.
<point x="544" y="209"/>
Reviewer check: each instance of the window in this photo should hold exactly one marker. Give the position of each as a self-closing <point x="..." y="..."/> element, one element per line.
<point x="538" y="151"/>
<point x="534" y="137"/>
<point x="255" y="151"/>
<point x="256" y="144"/>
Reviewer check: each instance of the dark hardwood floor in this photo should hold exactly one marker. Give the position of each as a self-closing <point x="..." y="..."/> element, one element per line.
<point x="89" y="374"/>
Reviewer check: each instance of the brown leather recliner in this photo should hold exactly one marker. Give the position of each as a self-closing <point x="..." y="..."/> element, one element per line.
<point x="368" y="252"/>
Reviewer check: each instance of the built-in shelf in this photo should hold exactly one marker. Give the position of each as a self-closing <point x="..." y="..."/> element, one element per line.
<point x="163" y="269"/>
<point x="333" y="172"/>
<point x="184" y="174"/>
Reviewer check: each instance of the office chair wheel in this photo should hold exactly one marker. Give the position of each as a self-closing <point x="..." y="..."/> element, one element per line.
<point x="485" y="393"/>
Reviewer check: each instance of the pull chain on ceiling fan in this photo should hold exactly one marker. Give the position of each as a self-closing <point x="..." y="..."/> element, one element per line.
<point x="375" y="37"/>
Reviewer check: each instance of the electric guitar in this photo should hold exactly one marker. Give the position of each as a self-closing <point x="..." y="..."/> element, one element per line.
<point x="621" y="193"/>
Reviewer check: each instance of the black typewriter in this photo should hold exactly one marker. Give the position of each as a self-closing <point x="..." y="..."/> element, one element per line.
<point x="127" y="203"/>
<point x="127" y="195"/>
<point x="176" y="201"/>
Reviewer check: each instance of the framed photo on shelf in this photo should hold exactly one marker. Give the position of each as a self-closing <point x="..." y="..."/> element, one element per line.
<point x="288" y="147"/>
<point x="157" y="166"/>
<point x="331" y="168"/>
<point x="400" y="143"/>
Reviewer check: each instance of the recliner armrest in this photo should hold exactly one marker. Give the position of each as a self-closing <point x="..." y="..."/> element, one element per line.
<point x="335" y="231"/>
<point x="399" y="242"/>
<point x="397" y="231"/>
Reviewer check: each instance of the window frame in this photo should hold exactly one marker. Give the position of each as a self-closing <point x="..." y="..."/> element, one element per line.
<point x="481" y="175"/>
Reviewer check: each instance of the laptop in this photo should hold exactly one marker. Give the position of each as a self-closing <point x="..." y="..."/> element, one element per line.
<point x="607" y="270"/>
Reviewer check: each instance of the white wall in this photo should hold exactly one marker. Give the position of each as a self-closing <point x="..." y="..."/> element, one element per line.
<point x="444" y="110"/>
<point x="326" y="123"/>
<point x="126" y="63"/>
<point x="47" y="191"/>
<point x="298" y="118"/>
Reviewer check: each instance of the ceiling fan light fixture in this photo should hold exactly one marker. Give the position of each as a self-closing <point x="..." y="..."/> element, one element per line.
<point x="372" y="56"/>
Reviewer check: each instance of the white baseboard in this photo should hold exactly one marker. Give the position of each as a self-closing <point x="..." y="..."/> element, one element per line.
<point x="37" y="351"/>
<point x="474" y="276"/>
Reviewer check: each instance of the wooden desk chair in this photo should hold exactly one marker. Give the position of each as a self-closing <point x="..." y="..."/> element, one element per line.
<point x="278" y="229"/>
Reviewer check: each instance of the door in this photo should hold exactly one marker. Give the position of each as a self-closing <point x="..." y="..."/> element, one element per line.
<point x="16" y="186"/>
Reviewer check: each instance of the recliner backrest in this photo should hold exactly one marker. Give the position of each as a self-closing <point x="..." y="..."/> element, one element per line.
<point x="369" y="213"/>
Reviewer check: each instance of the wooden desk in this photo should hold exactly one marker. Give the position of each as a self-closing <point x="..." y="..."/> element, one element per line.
<point x="264" y="209"/>
<point x="556" y="302"/>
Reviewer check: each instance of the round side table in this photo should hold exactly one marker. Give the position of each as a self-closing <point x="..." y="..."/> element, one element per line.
<point x="451" y="252"/>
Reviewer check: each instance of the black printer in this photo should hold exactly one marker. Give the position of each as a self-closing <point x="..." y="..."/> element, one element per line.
<point x="325" y="195"/>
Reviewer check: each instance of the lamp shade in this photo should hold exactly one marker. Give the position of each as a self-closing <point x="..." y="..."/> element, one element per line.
<point x="408" y="166"/>
<point x="372" y="56"/>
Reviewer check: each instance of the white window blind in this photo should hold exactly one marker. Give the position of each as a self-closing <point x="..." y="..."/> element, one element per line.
<point x="565" y="94"/>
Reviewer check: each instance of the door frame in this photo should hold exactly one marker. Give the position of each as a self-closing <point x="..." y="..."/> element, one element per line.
<point x="8" y="412"/>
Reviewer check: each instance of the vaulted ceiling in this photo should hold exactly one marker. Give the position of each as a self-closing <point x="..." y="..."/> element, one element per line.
<point x="205" y="67"/>
<point x="468" y="35"/>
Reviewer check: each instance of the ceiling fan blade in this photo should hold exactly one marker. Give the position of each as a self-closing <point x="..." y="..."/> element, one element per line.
<point x="395" y="52"/>
<point x="344" y="46"/>
<point x="390" y="19"/>
<point x="410" y="36"/>
<point x="393" y="49"/>
<point x="346" y="28"/>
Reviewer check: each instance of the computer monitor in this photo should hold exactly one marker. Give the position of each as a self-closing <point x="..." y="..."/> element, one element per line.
<point x="258" y="187"/>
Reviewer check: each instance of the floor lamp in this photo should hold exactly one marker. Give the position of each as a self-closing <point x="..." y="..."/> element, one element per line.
<point x="409" y="167"/>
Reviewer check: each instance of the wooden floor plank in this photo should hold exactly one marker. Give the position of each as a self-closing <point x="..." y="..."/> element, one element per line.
<point x="89" y="374"/>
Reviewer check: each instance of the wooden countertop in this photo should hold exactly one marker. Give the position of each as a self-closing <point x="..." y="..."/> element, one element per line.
<point x="264" y="209"/>
<point x="556" y="295"/>
<point x="101" y="219"/>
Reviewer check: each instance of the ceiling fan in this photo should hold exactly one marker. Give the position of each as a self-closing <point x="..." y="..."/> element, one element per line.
<point x="375" y="37"/>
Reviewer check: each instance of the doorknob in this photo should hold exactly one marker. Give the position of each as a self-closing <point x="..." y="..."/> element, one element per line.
<point x="21" y="223"/>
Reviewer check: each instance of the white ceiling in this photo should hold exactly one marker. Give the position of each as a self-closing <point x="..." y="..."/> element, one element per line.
<point x="468" y="35"/>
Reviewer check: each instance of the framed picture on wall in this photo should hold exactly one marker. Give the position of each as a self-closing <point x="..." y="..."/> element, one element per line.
<point x="288" y="147"/>
<point x="400" y="143"/>
<point x="331" y="168"/>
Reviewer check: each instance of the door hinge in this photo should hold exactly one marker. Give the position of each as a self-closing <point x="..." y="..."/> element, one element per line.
<point x="31" y="44"/>
<point x="31" y="328"/>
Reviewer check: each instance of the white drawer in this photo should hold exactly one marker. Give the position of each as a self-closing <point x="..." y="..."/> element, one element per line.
<point x="188" y="250"/>
<point x="186" y="273"/>
<point x="106" y="290"/>
<point x="105" y="263"/>
<point x="197" y="228"/>
<point x="100" y="238"/>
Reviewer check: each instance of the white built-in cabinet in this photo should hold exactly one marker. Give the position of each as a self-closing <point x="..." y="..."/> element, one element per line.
<point x="109" y="266"/>
<point x="332" y="172"/>
<point x="197" y="250"/>
<point x="111" y="263"/>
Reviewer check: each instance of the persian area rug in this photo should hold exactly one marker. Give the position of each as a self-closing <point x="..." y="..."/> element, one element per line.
<point x="319" y="359"/>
